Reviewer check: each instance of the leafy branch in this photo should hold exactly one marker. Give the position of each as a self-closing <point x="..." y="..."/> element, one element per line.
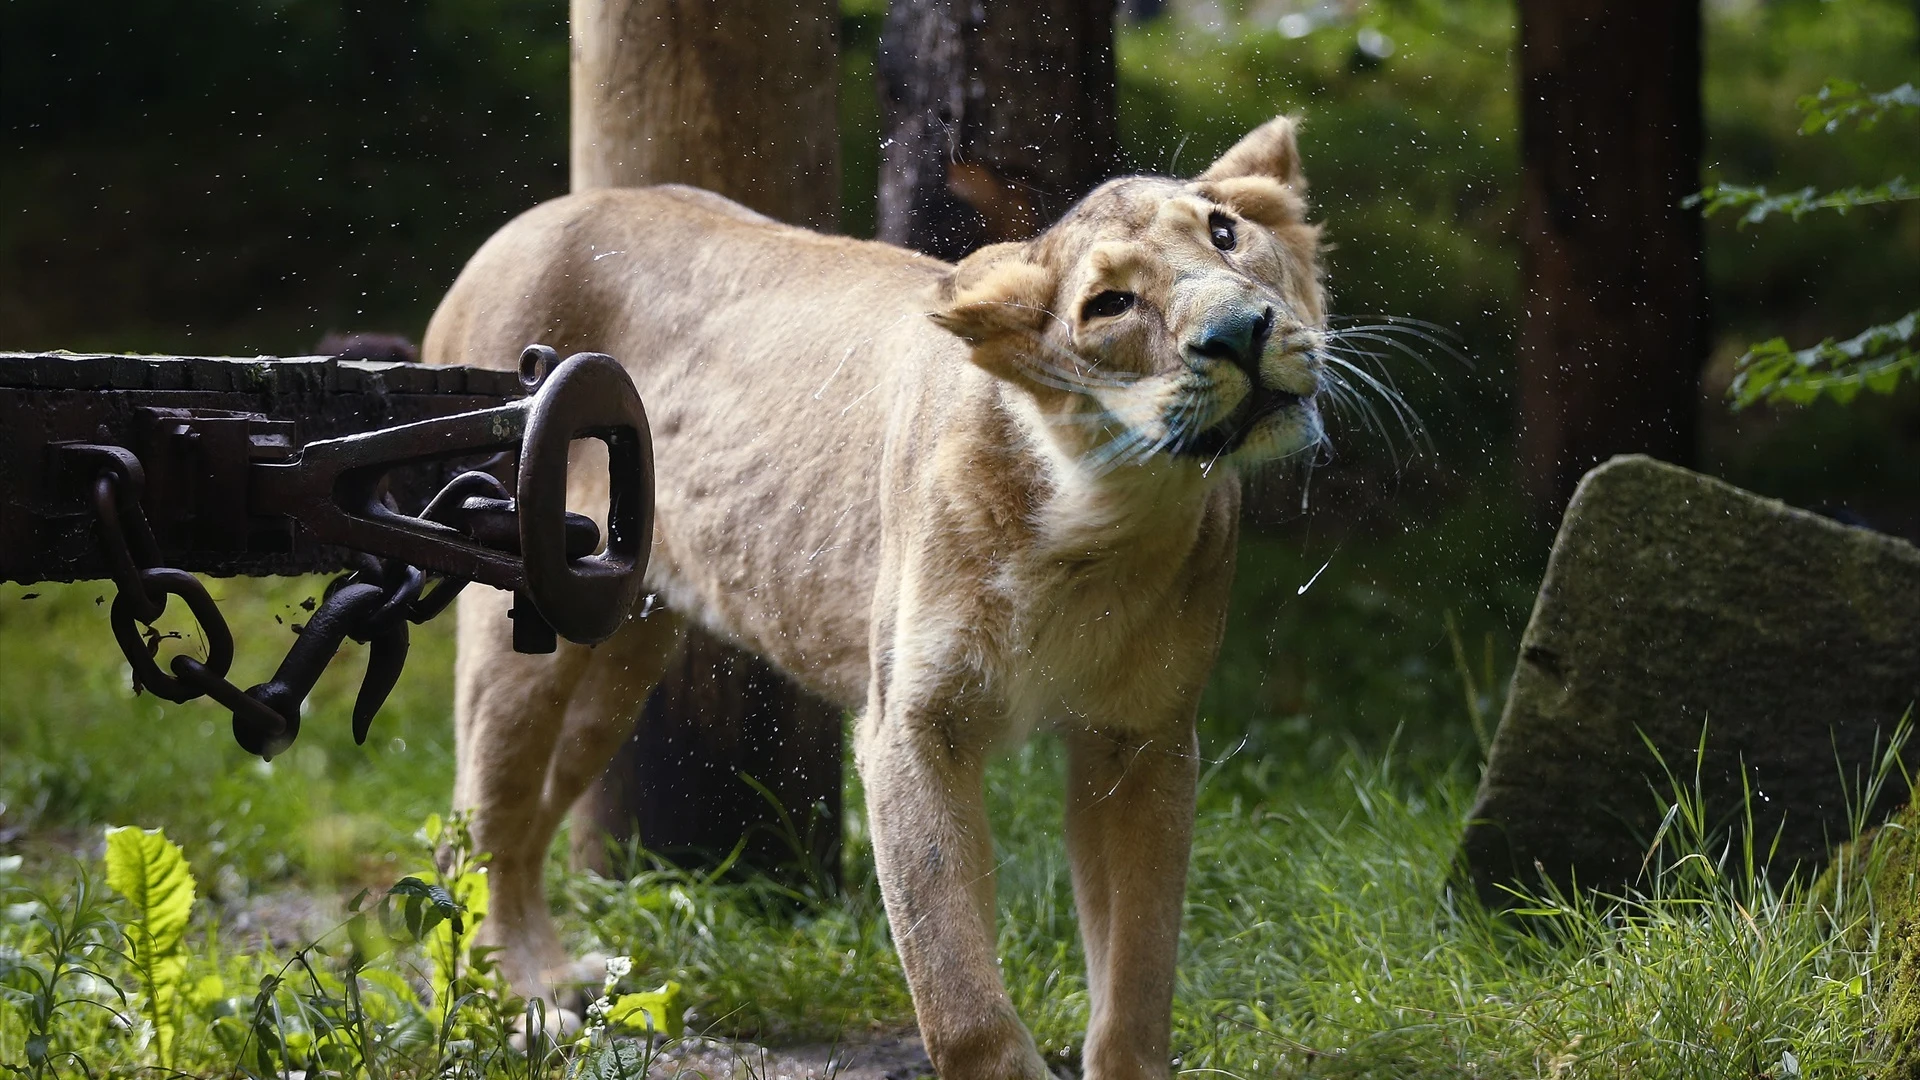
<point x="1875" y="359"/>
<point x="1878" y="357"/>
<point x="1758" y="203"/>
<point x="1840" y="101"/>
<point x="1837" y="103"/>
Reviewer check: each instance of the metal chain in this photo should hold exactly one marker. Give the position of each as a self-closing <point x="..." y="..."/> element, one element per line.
<point x="373" y="604"/>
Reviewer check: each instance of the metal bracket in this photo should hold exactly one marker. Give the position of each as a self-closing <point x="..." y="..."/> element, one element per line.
<point x="200" y="480"/>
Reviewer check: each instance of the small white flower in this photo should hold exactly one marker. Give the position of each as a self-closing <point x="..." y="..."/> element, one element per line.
<point x="617" y="969"/>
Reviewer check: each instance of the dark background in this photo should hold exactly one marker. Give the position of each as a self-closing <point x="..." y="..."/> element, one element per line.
<point x="231" y="177"/>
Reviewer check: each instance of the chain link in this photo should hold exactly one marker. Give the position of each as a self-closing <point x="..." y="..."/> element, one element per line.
<point x="107" y="508"/>
<point x="372" y="604"/>
<point x="164" y="582"/>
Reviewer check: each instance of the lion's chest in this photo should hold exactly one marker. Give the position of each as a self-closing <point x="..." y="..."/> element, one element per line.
<point x="1090" y="644"/>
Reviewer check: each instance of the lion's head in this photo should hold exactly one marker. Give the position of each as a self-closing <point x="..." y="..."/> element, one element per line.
<point x="1163" y="316"/>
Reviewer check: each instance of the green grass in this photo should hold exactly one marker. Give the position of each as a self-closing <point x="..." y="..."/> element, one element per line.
<point x="1322" y="938"/>
<point x="78" y="748"/>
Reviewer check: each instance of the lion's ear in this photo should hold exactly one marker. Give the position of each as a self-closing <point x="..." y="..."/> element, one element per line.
<point x="995" y="292"/>
<point x="1270" y="150"/>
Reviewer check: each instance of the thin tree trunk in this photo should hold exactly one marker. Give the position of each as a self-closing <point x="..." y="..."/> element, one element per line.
<point x="740" y="99"/>
<point x="1613" y="334"/>
<point x="997" y="117"/>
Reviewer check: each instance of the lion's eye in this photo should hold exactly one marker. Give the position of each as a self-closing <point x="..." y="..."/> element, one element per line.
<point x="1107" y="304"/>
<point x="1220" y="231"/>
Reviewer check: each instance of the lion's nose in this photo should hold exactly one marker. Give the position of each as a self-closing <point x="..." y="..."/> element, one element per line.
<point x="1238" y="338"/>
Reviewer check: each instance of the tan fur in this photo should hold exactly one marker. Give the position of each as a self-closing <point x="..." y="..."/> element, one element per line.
<point x="943" y="496"/>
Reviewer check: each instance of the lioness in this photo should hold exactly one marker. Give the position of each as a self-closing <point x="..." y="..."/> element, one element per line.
<point x="964" y="501"/>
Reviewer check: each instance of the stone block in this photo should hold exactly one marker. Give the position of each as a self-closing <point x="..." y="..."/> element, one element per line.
<point x="1673" y="603"/>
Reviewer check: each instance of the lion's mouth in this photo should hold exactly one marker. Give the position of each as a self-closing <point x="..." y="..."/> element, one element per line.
<point x="1231" y="431"/>
<point x="1260" y="404"/>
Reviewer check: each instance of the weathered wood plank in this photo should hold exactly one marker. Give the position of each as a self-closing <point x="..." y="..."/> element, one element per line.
<point x="46" y="526"/>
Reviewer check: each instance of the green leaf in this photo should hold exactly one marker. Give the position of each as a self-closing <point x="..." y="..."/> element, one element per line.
<point x="661" y="1010"/>
<point x="423" y="905"/>
<point x="396" y="987"/>
<point x="618" y="1061"/>
<point x="443" y="917"/>
<point x="151" y="872"/>
<point x="368" y="940"/>
<point x="1877" y="359"/>
<point x="207" y="992"/>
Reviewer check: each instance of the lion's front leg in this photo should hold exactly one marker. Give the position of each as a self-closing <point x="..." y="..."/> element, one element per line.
<point x="1130" y="809"/>
<point x="934" y="853"/>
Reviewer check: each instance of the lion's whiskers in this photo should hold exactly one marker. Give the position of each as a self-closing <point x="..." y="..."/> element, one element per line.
<point x="1434" y="334"/>
<point x="1077" y="371"/>
<point x="1184" y="414"/>
<point x="1133" y="446"/>
<point x="1345" y="402"/>
<point x="1411" y="426"/>
<point x="1346" y="341"/>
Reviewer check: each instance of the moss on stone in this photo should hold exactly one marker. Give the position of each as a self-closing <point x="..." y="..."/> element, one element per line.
<point x="1885" y="863"/>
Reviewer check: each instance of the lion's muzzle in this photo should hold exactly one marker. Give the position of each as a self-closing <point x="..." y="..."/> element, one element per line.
<point x="1239" y="338"/>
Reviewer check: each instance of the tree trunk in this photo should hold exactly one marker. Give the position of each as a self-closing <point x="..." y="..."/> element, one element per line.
<point x="997" y="117"/>
<point x="1613" y="334"/>
<point x="740" y="99"/>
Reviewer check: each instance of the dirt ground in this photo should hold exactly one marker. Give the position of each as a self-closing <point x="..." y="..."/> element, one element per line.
<point x="894" y="1058"/>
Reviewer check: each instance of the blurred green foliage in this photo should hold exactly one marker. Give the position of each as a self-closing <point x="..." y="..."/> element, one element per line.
<point x="238" y="176"/>
<point x="231" y="174"/>
<point x="1830" y="275"/>
<point x="1875" y="359"/>
<point x="1825" y="276"/>
<point x="233" y="177"/>
<point x="78" y="747"/>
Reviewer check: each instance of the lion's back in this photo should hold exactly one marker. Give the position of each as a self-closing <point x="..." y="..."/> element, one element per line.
<point x="763" y="354"/>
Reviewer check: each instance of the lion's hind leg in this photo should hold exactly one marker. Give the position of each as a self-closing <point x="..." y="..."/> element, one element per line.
<point x="530" y="733"/>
